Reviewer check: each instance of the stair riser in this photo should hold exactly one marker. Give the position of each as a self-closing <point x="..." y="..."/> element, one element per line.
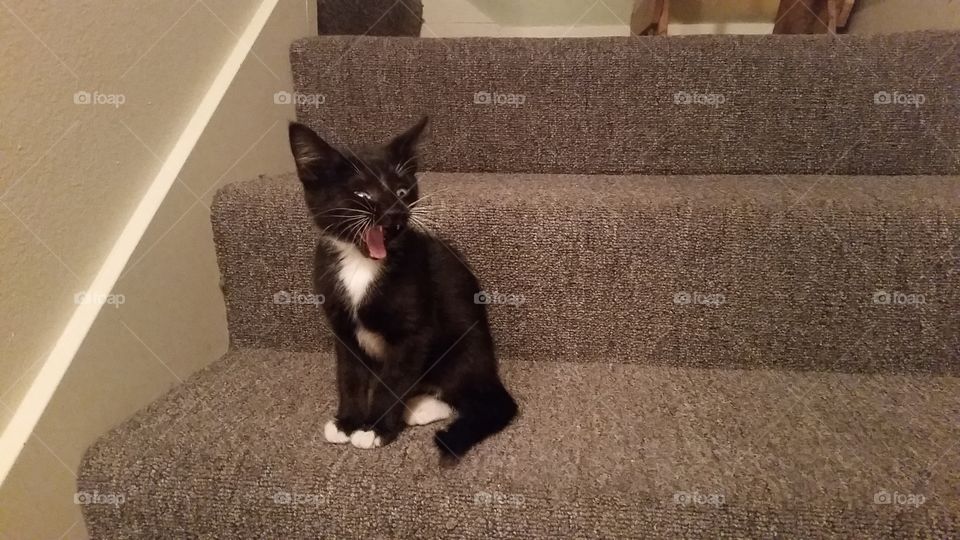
<point x="677" y="281"/>
<point x="757" y="104"/>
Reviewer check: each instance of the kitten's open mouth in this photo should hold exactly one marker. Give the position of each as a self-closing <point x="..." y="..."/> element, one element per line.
<point x="376" y="239"/>
<point x="376" y="246"/>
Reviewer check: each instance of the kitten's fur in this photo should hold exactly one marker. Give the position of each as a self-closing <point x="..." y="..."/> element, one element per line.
<point x="399" y="300"/>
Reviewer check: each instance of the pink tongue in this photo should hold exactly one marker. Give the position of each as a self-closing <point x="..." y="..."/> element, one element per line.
<point x="374" y="240"/>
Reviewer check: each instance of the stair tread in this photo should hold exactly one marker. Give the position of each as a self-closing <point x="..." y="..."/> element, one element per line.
<point x="625" y="438"/>
<point x="629" y="190"/>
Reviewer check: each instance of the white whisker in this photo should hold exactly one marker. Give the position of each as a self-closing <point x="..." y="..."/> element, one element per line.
<point x="355" y="229"/>
<point x="427" y="196"/>
<point x="341" y="208"/>
<point x="402" y="168"/>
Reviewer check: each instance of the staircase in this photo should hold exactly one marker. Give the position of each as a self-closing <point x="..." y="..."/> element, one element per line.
<point x="733" y="318"/>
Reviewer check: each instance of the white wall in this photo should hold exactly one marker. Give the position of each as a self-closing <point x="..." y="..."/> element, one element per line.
<point x="75" y="174"/>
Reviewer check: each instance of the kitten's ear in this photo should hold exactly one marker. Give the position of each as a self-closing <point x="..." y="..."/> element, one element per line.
<point x="404" y="146"/>
<point x="314" y="157"/>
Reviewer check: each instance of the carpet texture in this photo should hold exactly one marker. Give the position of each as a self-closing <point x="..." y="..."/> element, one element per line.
<point x="855" y="274"/>
<point x="849" y="104"/>
<point x="762" y="343"/>
<point x="598" y="451"/>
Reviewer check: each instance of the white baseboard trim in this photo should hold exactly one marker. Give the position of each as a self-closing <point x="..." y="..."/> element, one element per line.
<point x="38" y="396"/>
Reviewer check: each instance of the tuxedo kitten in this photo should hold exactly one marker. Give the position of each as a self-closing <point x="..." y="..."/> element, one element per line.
<point x="412" y="345"/>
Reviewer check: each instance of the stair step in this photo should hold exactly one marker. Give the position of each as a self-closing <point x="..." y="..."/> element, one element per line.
<point x="854" y="274"/>
<point x="599" y="450"/>
<point x="840" y="104"/>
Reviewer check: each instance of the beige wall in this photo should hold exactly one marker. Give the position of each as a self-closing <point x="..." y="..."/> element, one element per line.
<point x="71" y="196"/>
<point x="886" y="16"/>
<point x="71" y="174"/>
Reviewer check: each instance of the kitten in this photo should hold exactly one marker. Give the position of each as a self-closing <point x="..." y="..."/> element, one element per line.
<point x="412" y="345"/>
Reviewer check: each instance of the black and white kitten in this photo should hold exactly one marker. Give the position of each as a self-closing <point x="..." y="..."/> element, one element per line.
<point x="412" y="345"/>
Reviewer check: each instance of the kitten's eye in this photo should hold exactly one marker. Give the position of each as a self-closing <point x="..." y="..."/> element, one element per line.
<point x="362" y="194"/>
<point x="402" y="192"/>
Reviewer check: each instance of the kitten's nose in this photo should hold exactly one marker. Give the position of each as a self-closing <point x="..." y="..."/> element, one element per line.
<point x="393" y="218"/>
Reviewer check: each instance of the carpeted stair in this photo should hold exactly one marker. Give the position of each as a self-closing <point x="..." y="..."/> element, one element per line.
<point x="762" y="344"/>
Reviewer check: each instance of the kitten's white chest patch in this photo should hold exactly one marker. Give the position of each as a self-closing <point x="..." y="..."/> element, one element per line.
<point x="356" y="272"/>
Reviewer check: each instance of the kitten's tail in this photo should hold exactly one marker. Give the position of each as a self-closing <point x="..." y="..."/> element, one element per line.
<point x="480" y="415"/>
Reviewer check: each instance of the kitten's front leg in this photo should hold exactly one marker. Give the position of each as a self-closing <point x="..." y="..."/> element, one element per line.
<point x="393" y="388"/>
<point x="353" y="387"/>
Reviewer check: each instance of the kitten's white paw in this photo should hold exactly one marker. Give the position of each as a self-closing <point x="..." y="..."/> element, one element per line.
<point x="365" y="439"/>
<point x="423" y="410"/>
<point x="333" y="433"/>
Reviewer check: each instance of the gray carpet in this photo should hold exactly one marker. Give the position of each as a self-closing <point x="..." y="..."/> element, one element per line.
<point x="695" y="355"/>
<point x="793" y="104"/>
<point x="603" y="266"/>
<point x="599" y="450"/>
